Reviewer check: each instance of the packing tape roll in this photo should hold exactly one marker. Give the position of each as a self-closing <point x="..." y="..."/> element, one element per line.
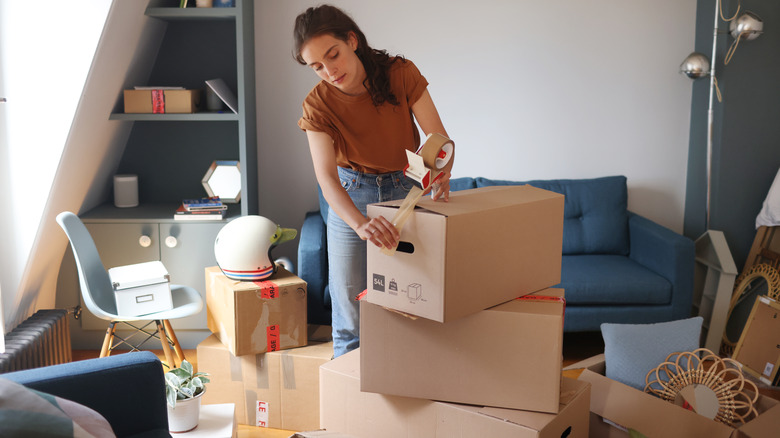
<point x="437" y="153"/>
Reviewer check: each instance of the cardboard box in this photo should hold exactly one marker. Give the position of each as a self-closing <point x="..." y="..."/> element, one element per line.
<point x="625" y="407"/>
<point x="507" y="356"/>
<point x="758" y="349"/>
<point x="141" y="288"/>
<point x="277" y="389"/>
<point x="345" y="409"/>
<point x="174" y="101"/>
<point x="252" y="317"/>
<point x="484" y="247"/>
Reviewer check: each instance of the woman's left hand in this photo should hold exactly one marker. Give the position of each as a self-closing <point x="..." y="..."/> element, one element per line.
<point x="441" y="188"/>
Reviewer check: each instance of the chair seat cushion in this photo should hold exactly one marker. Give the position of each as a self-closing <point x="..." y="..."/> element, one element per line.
<point x="611" y="279"/>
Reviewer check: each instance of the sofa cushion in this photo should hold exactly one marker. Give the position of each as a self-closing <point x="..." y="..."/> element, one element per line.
<point x="611" y="280"/>
<point x="463" y="183"/>
<point x="595" y="215"/>
<point x="632" y="350"/>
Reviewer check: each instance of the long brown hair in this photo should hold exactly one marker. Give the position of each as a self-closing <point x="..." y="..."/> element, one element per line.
<point x="327" y="19"/>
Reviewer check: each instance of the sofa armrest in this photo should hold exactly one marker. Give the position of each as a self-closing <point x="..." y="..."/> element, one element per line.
<point x="128" y="389"/>
<point x="313" y="267"/>
<point x="668" y="254"/>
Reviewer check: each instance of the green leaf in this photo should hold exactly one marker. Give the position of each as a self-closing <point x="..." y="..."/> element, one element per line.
<point x="187" y="367"/>
<point x="173" y="380"/>
<point x="170" y="397"/>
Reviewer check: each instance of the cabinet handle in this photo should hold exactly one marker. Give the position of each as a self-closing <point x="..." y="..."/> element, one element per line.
<point x="145" y="241"/>
<point x="171" y="242"/>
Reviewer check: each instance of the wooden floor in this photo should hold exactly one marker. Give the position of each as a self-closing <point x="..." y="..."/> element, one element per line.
<point x="576" y="347"/>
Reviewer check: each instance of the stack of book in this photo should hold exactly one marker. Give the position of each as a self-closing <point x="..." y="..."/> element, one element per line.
<point x="203" y="209"/>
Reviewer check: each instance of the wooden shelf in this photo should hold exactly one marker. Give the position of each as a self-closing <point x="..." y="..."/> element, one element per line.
<point x="194" y="117"/>
<point x="147" y="213"/>
<point x="192" y="13"/>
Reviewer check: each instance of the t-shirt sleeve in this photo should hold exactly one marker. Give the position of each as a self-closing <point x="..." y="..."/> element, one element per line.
<point x="415" y="82"/>
<point x="315" y="120"/>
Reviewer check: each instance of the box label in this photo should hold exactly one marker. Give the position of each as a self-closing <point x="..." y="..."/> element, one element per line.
<point x="158" y="101"/>
<point x="272" y="333"/>
<point x="379" y="282"/>
<point x="769" y="368"/>
<point x="261" y="414"/>
<point x="268" y="289"/>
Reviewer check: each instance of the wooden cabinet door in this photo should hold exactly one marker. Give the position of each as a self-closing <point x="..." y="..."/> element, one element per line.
<point x="186" y="259"/>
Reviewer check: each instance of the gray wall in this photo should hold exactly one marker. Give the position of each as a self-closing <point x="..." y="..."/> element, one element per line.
<point x="746" y="128"/>
<point x="527" y="89"/>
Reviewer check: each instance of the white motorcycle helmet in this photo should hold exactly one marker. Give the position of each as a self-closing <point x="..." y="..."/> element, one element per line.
<point x="243" y="247"/>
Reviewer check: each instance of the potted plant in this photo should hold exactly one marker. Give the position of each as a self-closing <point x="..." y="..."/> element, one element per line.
<point x="183" y="390"/>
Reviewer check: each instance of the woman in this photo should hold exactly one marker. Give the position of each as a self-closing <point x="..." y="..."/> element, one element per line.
<point x="359" y="120"/>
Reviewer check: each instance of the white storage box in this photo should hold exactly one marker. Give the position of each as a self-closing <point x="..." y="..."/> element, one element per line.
<point x="141" y="288"/>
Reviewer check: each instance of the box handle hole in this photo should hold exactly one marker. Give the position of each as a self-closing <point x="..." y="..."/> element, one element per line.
<point x="406" y="247"/>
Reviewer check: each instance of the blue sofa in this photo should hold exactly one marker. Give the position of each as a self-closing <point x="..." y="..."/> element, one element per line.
<point x="128" y="390"/>
<point x="617" y="266"/>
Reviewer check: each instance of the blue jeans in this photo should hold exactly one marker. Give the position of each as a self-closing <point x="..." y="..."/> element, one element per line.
<point x="347" y="252"/>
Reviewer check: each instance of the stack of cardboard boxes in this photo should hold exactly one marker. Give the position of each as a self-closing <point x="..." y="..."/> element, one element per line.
<point x="447" y="348"/>
<point x="261" y="355"/>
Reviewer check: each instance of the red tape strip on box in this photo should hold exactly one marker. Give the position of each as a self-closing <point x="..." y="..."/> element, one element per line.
<point x="268" y="289"/>
<point x="545" y="298"/>
<point x="158" y="101"/>
<point x="272" y="334"/>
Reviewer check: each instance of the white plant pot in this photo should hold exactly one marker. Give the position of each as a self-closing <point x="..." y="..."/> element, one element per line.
<point x="184" y="417"/>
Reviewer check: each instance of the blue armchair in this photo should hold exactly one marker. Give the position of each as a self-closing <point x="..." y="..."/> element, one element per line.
<point x="128" y="390"/>
<point x="617" y="266"/>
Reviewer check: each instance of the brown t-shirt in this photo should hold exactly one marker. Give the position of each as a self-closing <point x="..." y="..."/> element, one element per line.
<point x="367" y="138"/>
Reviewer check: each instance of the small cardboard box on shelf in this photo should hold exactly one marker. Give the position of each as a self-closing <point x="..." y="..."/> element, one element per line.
<point x="162" y="101"/>
<point x="484" y="247"/>
<point x="252" y="317"/>
<point x="507" y="356"/>
<point x="344" y="408"/>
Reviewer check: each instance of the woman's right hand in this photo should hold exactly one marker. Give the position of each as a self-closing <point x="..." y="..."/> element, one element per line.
<point x="380" y="232"/>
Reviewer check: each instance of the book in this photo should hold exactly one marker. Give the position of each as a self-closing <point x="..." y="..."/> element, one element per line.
<point x="221" y="89"/>
<point x="213" y="204"/>
<point x="182" y="214"/>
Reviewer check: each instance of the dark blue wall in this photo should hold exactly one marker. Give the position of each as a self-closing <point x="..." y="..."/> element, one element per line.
<point x="746" y="128"/>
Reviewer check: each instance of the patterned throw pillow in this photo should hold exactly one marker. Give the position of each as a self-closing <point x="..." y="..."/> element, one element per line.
<point x="25" y="412"/>
<point x="632" y="350"/>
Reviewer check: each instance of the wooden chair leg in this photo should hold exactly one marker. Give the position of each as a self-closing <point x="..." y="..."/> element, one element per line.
<point x="107" y="340"/>
<point x="172" y="335"/>
<point x="164" y="341"/>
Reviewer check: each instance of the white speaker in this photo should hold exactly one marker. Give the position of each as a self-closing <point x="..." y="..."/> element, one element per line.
<point x="126" y="191"/>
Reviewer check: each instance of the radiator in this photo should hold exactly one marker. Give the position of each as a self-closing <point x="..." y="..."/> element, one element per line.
<point x="42" y="339"/>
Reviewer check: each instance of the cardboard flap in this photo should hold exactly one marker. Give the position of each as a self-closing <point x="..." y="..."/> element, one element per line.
<point x="645" y="413"/>
<point x="570" y="389"/>
<point x="481" y="199"/>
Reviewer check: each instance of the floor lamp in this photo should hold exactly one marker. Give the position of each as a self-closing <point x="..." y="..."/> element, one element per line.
<point x="715" y="268"/>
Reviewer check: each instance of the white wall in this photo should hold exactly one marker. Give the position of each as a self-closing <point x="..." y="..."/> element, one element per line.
<point x="46" y="49"/>
<point x="527" y="89"/>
